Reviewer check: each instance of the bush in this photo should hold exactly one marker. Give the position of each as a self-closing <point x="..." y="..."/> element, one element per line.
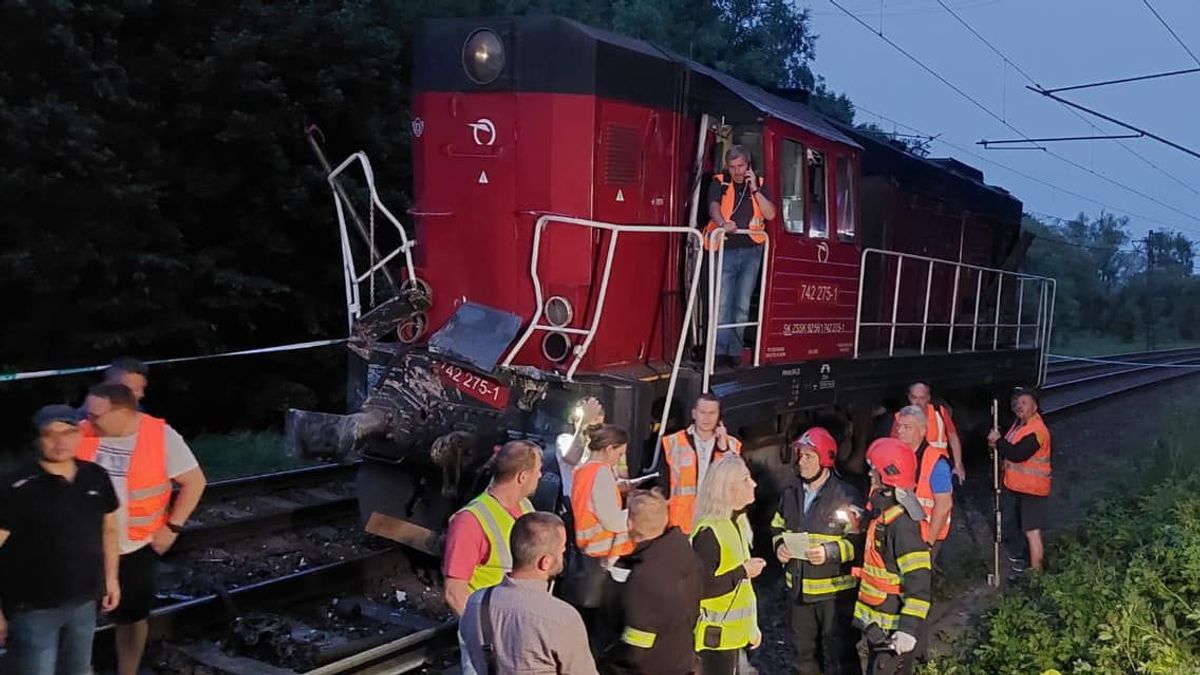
<point x="1122" y="595"/>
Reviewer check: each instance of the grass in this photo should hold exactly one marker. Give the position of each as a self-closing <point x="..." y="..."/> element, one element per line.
<point x="244" y="454"/>
<point x="1103" y="345"/>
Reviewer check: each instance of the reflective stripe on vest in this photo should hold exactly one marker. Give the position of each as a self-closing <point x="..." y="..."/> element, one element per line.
<point x="1032" y="476"/>
<point x="924" y="492"/>
<point x="638" y="638"/>
<point x="881" y="598"/>
<point x="727" y="205"/>
<point x="497" y="524"/>
<point x="590" y="535"/>
<point x="148" y="488"/>
<point x="735" y="612"/>
<point x="682" y="462"/>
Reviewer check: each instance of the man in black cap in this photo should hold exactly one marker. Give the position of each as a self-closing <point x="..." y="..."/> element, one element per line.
<point x="58" y="552"/>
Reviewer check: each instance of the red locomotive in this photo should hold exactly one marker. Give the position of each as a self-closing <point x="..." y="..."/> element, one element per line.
<point x="561" y="177"/>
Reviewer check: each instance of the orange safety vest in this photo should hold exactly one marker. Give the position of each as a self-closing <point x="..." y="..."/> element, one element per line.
<point x="727" y="207"/>
<point x="935" y="426"/>
<point x="683" y="465"/>
<point x="876" y="582"/>
<point x="148" y="486"/>
<point x="590" y="535"/>
<point x="1031" y="477"/>
<point x="881" y="594"/>
<point x="929" y="460"/>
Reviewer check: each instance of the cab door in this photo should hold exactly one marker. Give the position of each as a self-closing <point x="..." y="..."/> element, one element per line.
<point x="813" y="282"/>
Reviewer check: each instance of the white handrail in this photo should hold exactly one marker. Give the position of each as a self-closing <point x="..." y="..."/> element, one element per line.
<point x="716" y="264"/>
<point x="1042" y="324"/>
<point x="351" y="276"/>
<point x="581" y="350"/>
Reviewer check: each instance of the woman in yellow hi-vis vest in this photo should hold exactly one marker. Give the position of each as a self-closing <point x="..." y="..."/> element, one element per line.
<point x="721" y="538"/>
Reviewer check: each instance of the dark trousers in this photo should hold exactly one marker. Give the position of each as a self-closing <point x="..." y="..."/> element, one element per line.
<point x="723" y="662"/>
<point x="823" y="638"/>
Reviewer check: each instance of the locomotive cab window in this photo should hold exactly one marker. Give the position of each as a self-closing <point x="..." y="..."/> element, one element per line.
<point x="846" y="203"/>
<point x="818" y="201"/>
<point x="791" y="191"/>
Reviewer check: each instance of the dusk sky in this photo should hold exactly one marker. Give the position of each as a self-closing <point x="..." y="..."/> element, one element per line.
<point x="1058" y="43"/>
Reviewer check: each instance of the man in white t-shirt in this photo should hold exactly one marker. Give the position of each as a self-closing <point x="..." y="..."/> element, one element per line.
<point x="144" y="456"/>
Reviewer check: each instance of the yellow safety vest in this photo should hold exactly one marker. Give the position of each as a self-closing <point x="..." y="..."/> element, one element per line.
<point x="736" y="612"/>
<point x="497" y="524"/>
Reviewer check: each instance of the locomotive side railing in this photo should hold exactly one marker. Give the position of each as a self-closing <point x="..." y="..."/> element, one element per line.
<point x="615" y="231"/>
<point x="993" y="318"/>
<point x="716" y="262"/>
<point x="376" y="262"/>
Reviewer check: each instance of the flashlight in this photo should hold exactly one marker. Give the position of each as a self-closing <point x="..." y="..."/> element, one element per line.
<point x="563" y="442"/>
<point x="577" y="413"/>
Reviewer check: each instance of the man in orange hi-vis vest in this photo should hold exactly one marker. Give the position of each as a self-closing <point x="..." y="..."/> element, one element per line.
<point x="688" y="454"/>
<point x="737" y="201"/>
<point x="1026" y="452"/>
<point x="144" y="456"/>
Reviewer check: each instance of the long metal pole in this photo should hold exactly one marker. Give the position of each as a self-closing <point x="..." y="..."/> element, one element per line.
<point x="994" y="577"/>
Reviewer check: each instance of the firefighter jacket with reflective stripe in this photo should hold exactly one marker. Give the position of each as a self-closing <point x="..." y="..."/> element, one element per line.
<point x="497" y="524"/>
<point x="683" y="468"/>
<point x="894" y="581"/>
<point x="927" y="458"/>
<point x="729" y="196"/>
<point x="831" y="524"/>
<point x="590" y="535"/>
<point x="656" y="608"/>
<point x="147" y="484"/>
<point x="1031" y="477"/>
<point x="735" y="612"/>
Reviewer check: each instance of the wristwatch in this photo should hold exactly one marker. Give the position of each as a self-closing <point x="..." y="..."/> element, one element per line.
<point x="177" y="529"/>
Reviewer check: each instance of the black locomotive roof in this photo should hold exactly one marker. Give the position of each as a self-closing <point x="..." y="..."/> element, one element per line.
<point x="962" y="180"/>
<point x="556" y="55"/>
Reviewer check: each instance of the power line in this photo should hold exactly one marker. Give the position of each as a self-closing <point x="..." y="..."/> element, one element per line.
<point x="1171" y="31"/>
<point x="1003" y="121"/>
<point x="1160" y="139"/>
<point x="1027" y="176"/>
<point x="1074" y="112"/>
<point x="1126" y="80"/>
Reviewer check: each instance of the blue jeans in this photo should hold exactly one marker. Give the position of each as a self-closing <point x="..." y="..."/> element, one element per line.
<point x="55" y="641"/>
<point x="739" y="274"/>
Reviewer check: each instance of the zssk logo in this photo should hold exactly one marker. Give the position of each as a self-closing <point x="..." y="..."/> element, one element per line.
<point x="418" y="127"/>
<point x="483" y="131"/>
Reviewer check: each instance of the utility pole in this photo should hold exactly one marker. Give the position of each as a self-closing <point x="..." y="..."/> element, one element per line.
<point x="1148" y="317"/>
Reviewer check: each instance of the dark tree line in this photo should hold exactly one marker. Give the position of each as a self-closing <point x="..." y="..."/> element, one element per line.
<point x="159" y="197"/>
<point x="1142" y="290"/>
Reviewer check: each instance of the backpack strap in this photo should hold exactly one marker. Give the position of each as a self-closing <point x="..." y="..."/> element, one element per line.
<point x="489" y="634"/>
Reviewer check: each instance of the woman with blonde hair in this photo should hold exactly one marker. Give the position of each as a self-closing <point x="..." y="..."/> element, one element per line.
<point x="721" y="539"/>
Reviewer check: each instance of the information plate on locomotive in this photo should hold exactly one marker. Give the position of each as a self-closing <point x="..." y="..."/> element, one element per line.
<point x="478" y="387"/>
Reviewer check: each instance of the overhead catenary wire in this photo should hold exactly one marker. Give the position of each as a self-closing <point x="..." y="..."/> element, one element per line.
<point x="1023" y="174"/>
<point x="999" y="118"/>
<point x="1171" y="31"/>
<point x="1076" y="113"/>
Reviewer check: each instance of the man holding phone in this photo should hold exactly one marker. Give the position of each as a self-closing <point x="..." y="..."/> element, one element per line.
<point x="689" y="454"/>
<point x="737" y="201"/>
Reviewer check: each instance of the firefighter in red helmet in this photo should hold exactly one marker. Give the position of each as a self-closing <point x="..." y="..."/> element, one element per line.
<point x="822" y="508"/>
<point x="895" y="577"/>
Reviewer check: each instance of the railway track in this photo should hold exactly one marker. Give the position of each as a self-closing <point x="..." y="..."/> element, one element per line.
<point x="1072" y="385"/>
<point x="404" y="638"/>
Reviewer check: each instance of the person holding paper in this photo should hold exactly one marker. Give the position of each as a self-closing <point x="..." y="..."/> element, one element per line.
<point x="816" y="536"/>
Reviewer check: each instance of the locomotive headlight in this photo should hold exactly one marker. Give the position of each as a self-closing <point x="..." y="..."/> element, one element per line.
<point x="559" y="311"/>
<point x="483" y="56"/>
